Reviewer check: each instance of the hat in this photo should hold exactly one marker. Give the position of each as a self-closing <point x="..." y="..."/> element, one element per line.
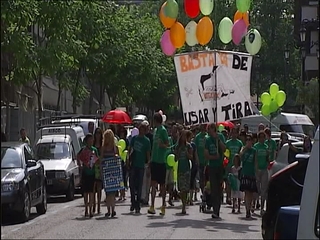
<point x="145" y="123"/>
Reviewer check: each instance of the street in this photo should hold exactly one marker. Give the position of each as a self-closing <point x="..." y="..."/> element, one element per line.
<point x="65" y="220"/>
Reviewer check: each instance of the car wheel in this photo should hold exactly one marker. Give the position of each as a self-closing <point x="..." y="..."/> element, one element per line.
<point x="42" y="207"/>
<point x="70" y="193"/>
<point x="25" y="214"/>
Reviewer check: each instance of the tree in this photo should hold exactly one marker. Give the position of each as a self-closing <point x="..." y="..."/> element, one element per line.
<point x="308" y="95"/>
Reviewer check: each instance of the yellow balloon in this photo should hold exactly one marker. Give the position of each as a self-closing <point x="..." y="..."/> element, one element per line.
<point x="120" y="149"/>
<point x="177" y="35"/>
<point x="166" y="21"/>
<point x="206" y="6"/>
<point x="191" y="36"/>
<point x="204" y="30"/>
<point x="227" y="153"/>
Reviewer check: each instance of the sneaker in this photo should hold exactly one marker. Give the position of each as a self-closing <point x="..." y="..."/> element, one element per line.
<point x="137" y="210"/>
<point x="151" y="210"/>
<point x="131" y="208"/>
<point x="233" y="210"/>
<point x="248" y="215"/>
<point x="163" y="211"/>
<point x="214" y="215"/>
<point x="170" y="203"/>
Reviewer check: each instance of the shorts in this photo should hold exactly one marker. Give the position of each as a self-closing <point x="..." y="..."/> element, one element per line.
<point x="169" y="177"/>
<point x="248" y="183"/>
<point x="158" y="172"/>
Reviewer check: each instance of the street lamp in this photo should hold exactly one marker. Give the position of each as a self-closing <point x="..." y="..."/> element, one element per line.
<point x="303" y="32"/>
<point x="286" y="54"/>
<point x="286" y="57"/>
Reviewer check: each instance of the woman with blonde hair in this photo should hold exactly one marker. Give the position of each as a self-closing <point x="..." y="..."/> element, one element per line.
<point x="109" y="149"/>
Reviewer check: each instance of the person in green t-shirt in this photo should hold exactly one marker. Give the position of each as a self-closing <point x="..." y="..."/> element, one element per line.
<point x="248" y="183"/>
<point x="214" y="149"/>
<point x="183" y="153"/>
<point x="272" y="145"/>
<point x="23" y="136"/>
<point x="262" y="157"/>
<point x="158" y="162"/>
<point x="88" y="158"/>
<point x="139" y="149"/>
<point x="200" y="141"/>
<point x="234" y="145"/>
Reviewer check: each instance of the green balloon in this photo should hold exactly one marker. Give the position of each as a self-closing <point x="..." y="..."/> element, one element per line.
<point x="281" y="98"/>
<point x="220" y="128"/>
<point x="265" y="110"/>
<point x="253" y="41"/>
<point x="273" y="106"/>
<point x="274" y="89"/>
<point x="265" y="98"/>
<point x="225" y="29"/>
<point x="243" y="5"/>
<point x="171" y="9"/>
<point x="170" y="160"/>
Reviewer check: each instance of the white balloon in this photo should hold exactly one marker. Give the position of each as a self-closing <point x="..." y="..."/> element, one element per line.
<point x="160" y="111"/>
<point x="191" y="37"/>
<point x="164" y="118"/>
<point x="206" y="7"/>
<point x="253" y="41"/>
<point x="134" y="132"/>
<point x="190" y="163"/>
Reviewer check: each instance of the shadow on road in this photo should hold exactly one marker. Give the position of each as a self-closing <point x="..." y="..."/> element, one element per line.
<point x="60" y="199"/>
<point x="201" y="224"/>
<point x="8" y="220"/>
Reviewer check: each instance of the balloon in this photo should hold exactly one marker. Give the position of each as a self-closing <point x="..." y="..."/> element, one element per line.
<point x="273" y="106"/>
<point x="120" y="149"/>
<point x="206" y="6"/>
<point x="227" y="153"/>
<point x="171" y="9"/>
<point x="239" y="15"/>
<point x="204" y="30"/>
<point x="265" y="110"/>
<point x="224" y="30"/>
<point x="160" y="111"/>
<point x="177" y="35"/>
<point x="253" y="41"/>
<point x="167" y="22"/>
<point x="220" y="128"/>
<point x="280" y="98"/>
<point x="265" y="98"/>
<point x="134" y="132"/>
<point x="166" y="44"/>
<point x="225" y="162"/>
<point x="274" y="89"/>
<point x="124" y="155"/>
<point x="164" y="118"/>
<point x="170" y="160"/>
<point x="191" y="37"/>
<point x="122" y="144"/>
<point x="243" y="5"/>
<point x="239" y="29"/>
<point x="190" y="164"/>
<point x="192" y="8"/>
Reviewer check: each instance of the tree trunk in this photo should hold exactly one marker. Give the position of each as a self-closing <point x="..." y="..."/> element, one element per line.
<point x="74" y="92"/>
<point x="39" y="95"/>
<point x="7" y="100"/>
<point x="59" y="98"/>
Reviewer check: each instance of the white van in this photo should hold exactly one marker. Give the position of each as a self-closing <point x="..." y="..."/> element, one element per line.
<point x="288" y="122"/>
<point x="83" y="122"/>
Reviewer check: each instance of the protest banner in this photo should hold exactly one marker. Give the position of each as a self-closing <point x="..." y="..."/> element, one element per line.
<point x="112" y="176"/>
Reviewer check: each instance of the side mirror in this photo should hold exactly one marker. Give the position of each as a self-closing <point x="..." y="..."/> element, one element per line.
<point x="31" y="163"/>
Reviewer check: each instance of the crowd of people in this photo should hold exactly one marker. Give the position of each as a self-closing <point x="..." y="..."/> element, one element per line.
<point x="203" y="166"/>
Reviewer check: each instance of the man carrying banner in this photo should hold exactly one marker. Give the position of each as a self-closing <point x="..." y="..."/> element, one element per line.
<point x="214" y="149"/>
<point x="158" y="162"/>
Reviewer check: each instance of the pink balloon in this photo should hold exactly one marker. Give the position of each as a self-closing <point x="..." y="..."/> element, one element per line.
<point x="166" y="45"/>
<point x="239" y="30"/>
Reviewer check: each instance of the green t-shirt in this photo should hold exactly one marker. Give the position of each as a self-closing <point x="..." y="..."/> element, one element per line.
<point x="158" y="153"/>
<point x="140" y="145"/>
<point x="183" y="159"/>
<point x="200" y="142"/>
<point x="272" y="146"/>
<point x="95" y="170"/>
<point x="234" y="146"/>
<point x="262" y="155"/>
<point x="26" y="140"/>
<point x="169" y="151"/>
<point x="248" y="162"/>
<point x="212" y="147"/>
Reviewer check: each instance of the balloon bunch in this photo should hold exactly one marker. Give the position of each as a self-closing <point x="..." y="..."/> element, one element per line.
<point x="238" y="29"/>
<point x="121" y="146"/>
<point x="164" y="117"/>
<point x="175" y="35"/>
<point x="273" y="100"/>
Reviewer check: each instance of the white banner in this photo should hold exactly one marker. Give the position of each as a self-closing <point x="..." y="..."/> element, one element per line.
<point x="199" y="73"/>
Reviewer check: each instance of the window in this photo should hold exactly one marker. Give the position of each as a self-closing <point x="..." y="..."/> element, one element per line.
<point x="10" y="158"/>
<point x="27" y="154"/>
<point x="317" y="222"/>
<point x="72" y="152"/>
<point x="56" y="150"/>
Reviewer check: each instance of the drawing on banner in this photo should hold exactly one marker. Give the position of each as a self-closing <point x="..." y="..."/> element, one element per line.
<point x="222" y="80"/>
<point x="112" y="174"/>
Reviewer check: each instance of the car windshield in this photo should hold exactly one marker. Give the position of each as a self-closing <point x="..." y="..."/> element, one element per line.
<point x="10" y="158"/>
<point x="55" y="150"/>
<point x="299" y="128"/>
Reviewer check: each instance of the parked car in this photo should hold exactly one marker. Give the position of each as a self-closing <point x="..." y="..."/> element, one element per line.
<point x="292" y="137"/>
<point x="23" y="183"/>
<point x="284" y="158"/>
<point x="284" y="189"/>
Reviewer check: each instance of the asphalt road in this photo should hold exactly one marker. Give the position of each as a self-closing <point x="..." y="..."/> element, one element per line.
<point x="65" y="220"/>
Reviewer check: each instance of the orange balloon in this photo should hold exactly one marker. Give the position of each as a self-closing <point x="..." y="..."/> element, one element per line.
<point x="204" y="31"/>
<point x="166" y="21"/>
<point x="177" y="35"/>
<point x="239" y="15"/>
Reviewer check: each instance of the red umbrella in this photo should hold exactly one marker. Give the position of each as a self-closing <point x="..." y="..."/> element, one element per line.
<point x="116" y="117"/>
<point x="226" y="124"/>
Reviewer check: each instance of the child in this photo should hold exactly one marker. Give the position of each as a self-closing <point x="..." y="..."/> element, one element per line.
<point x="236" y="194"/>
